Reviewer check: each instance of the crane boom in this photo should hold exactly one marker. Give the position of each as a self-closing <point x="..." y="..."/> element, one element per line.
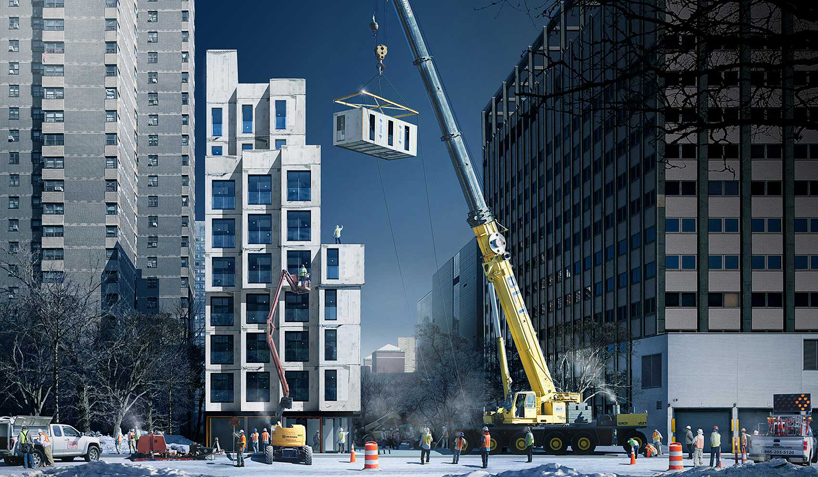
<point x="496" y="264"/>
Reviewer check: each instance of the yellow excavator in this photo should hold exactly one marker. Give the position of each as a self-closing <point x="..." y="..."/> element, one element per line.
<point x="557" y="419"/>
<point x="287" y="442"/>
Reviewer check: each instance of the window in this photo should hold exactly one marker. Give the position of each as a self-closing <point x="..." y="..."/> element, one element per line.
<point x="330" y="345"/>
<point x="247" y="119"/>
<point x="216" y="119"/>
<point x="810" y="355"/>
<point x="54" y="93"/>
<point x="246" y="147"/>
<point x="259" y="228"/>
<point x="153" y="241"/>
<point x="153" y="181"/>
<point x="224" y="233"/>
<point x="14" y="114"/>
<point x="185" y="99"/>
<point x="296" y="307"/>
<point x="224" y="195"/>
<point x="14" y="3"/>
<point x="683" y="225"/>
<point x="14" y="23"/>
<point x="258" y="387"/>
<point x="153" y="57"/>
<point x="14" y="180"/>
<point x="281" y="114"/>
<point x="110" y="47"/>
<point x="110" y="209"/>
<point x="766" y="188"/>
<point x="257" y="350"/>
<point x="53" y="209"/>
<point x="14" y="91"/>
<point x="224" y="271"/>
<point x="299" y="382"/>
<point x="766" y="262"/>
<point x="111" y="254"/>
<point x="766" y="225"/>
<point x="297" y="346"/>
<point x="54" y="116"/>
<point x="111" y="24"/>
<point x="153" y="120"/>
<point x="153" y="139"/>
<point x="14" y="158"/>
<point x="54" y="25"/>
<point x="185" y="160"/>
<point x="185" y="15"/>
<point x="110" y="116"/>
<point x="53" y="254"/>
<point x="185" y="77"/>
<point x="111" y="231"/>
<point x="330" y="385"/>
<point x="652" y="371"/>
<point x="153" y="262"/>
<point x="340" y="128"/>
<point x="723" y="262"/>
<point x="686" y="188"/>
<point x="110" y="70"/>
<point x="332" y="264"/>
<point x="259" y="190"/>
<point x="680" y="262"/>
<point x="298" y="186"/>
<point x="221" y="387"/>
<point x="14" y="225"/>
<point x="260" y="268"/>
<point x="676" y="299"/>
<point x="767" y="300"/>
<point x="153" y="221"/>
<point x="53" y="231"/>
<point x="221" y="311"/>
<point x="185" y="180"/>
<point x="153" y="16"/>
<point x="296" y="258"/>
<point x="258" y="307"/>
<point x="56" y="3"/>
<point x="153" y="37"/>
<point x="280" y="142"/>
<point x="722" y="188"/>
<point x="185" y="120"/>
<point x="330" y="304"/>
<point x="14" y="135"/>
<point x="14" y="202"/>
<point x="14" y="46"/>
<point x="153" y="99"/>
<point x="216" y="150"/>
<point x="298" y="225"/>
<point x="723" y="300"/>
<point x="185" y="36"/>
<point x="153" y="160"/>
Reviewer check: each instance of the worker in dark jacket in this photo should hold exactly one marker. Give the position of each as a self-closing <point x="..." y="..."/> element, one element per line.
<point x="689" y="441"/>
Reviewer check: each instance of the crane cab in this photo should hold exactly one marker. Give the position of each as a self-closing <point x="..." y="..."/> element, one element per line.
<point x="374" y="127"/>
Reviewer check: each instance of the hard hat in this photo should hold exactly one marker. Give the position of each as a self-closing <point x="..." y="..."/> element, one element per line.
<point x="265" y="429"/>
<point x="485" y="429"/>
<point x="715" y="428"/>
<point x="688" y="427"/>
<point x="24" y="426"/>
<point x="743" y="430"/>
<point x="255" y="430"/>
<point x="462" y="434"/>
<point x="340" y="428"/>
<point x="700" y="431"/>
<point x="527" y="428"/>
<point x="241" y="431"/>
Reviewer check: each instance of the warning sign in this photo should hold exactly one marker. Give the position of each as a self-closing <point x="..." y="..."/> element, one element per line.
<point x="783" y="403"/>
<point x="234" y="422"/>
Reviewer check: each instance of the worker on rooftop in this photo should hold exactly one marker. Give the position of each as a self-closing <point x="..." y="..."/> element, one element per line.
<point x="336" y="234"/>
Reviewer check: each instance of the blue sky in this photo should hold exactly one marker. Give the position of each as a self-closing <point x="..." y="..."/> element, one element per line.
<point x="329" y="44"/>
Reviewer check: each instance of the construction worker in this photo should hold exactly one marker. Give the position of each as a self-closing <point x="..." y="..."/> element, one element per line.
<point x="242" y="443"/>
<point x="634" y="445"/>
<point x="650" y="451"/>
<point x="336" y="234"/>
<point x="303" y="276"/>
<point x="216" y="446"/>
<point x="45" y="442"/>
<point x="657" y="441"/>
<point x="443" y="442"/>
<point x="265" y="439"/>
<point x="342" y="440"/>
<point x="485" y="446"/>
<point x="459" y="445"/>
<point x="118" y="441"/>
<point x="529" y="443"/>
<point x="425" y="444"/>
<point x="24" y="440"/>
<point x="698" y="449"/>
<point x="689" y="440"/>
<point x="715" y="447"/>
<point x="132" y="441"/>
<point x="254" y="440"/>
<point x="743" y="443"/>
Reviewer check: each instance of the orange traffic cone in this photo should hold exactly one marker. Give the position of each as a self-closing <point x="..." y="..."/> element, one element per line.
<point x="352" y="454"/>
<point x="633" y="457"/>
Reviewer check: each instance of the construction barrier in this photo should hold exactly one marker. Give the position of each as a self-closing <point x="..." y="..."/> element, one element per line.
<point x="675" y="457"/>
<point x="371" y="455"/>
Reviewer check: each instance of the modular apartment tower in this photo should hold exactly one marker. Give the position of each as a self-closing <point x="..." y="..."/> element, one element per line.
<point x="263" y="215"/>
<point x="97" y="151"/>
<point x="706" y="269"/>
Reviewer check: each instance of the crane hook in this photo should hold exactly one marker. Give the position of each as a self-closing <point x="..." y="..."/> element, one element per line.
<point x="380" y="54"/>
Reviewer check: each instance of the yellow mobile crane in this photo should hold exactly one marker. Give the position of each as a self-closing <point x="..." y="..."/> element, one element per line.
<point x="543" y="407"/>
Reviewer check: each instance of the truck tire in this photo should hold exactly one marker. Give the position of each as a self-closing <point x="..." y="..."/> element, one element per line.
<point x="555" y="443"/>
<point x="93" y="454"/>
<point x="496" y="444"/>
<point x="639" y="438"/>
<point x="584" y="443"/>
<point x="269" y="454"/>
<point x="37" y="458"/>
<point x="10" y="461"/>
<point x="307" y="455"/>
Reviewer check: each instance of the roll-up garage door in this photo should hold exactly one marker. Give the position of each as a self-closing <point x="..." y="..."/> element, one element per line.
<point x="753" y="420"/>
<point x="703" y="419"/>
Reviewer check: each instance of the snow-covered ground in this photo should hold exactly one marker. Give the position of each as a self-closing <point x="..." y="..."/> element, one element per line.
<point x="405" y="463"/>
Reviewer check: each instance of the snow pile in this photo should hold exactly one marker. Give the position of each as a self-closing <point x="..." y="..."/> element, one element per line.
<point x="776" y="467"/>
<point x="104" y="469"/>
<point x="547" y="470"/>
<point x="108" y="445"/>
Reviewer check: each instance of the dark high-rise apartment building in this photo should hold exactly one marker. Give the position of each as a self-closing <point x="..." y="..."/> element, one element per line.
<point x="699" y="248"/>
<point x="96" y="173"/>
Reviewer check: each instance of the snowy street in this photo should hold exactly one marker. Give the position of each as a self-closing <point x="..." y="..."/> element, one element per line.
<point x="398" y="464"/>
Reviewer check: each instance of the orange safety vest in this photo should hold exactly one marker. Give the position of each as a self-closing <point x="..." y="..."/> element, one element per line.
<point x="45" y="437"/>
<point x="265" y="436"/>
<point x="254" y="436"/>
<point x="242" y="442"/>
<point x="130" y="436"/>
<point x="744" y="440"/>
<point x="487" y="440"/>
<point x="119" y="437"/>
<point x="459" y="443"/>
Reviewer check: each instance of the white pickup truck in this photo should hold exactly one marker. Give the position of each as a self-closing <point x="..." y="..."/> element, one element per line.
<point x="66" y="442"/>
<point x="796" y="449"/>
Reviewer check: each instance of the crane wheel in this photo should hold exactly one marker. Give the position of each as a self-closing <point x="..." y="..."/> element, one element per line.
<point x="269" y="454"/>
<point x="584" y="443"/>
<point x="496" y="446"/>
<point x="555" y="443"/>
<point x="640" y="438"/>
<point x="517" y="443"/>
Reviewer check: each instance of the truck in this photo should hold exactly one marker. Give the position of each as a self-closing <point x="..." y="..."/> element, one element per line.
<point x="543" y="408"/>
<point x="788" y="434"/>
<point x="67" y="443"/>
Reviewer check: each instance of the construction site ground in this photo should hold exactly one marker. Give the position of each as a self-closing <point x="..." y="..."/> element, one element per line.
<point x="399" y="463"/>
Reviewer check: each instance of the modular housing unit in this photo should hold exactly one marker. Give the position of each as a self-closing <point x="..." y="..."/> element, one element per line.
<point x="374" y="133"/>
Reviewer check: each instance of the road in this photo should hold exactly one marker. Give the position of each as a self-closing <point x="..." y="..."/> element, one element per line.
<point x="400" y="463"/>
